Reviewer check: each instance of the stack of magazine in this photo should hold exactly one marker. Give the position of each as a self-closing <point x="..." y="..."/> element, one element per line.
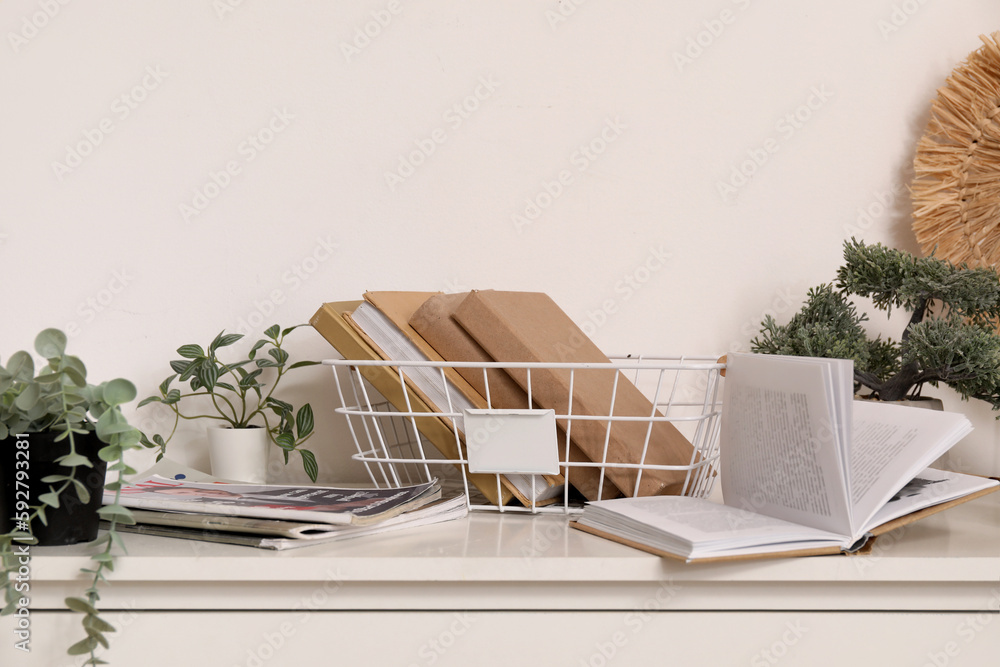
<point x="172" y="501"/>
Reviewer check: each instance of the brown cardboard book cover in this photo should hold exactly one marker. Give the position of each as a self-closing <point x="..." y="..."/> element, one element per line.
<point x="330" y="322"/>
<point x="433" y="321"/>
<point x="399" y="307"/>
<point x="530" y="326"/>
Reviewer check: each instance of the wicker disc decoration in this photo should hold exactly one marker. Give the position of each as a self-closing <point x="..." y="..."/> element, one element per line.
<point x="956" y="185"/>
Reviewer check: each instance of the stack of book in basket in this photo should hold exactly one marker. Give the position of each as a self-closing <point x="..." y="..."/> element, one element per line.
<point x="612" y="440"/>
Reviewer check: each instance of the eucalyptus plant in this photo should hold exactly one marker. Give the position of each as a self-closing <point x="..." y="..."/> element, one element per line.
<point x="236" y="392"/>
<point x="60" y="400"/>
<point x="950" y="335"/>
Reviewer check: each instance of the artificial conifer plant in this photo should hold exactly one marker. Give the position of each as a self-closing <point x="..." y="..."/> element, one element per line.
<point x="951" y="336"/>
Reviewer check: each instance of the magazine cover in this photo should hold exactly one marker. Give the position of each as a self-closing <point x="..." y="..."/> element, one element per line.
<point x="320" y="504"/>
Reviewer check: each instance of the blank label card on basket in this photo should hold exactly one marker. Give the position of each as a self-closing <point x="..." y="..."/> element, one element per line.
<point x="509" y="441"/>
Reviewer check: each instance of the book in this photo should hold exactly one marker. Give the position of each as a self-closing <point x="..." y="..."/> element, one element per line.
<point x="805" y="470"/>
<point x="530" y="327"/>
<point x="330" y="322"/>
<point x="434" y="323"/>
<point x="383" y="321"/>
<point x="317" y="504"/>
<point x="278" y="534"/>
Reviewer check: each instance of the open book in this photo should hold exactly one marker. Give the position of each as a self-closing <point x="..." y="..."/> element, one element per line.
<point x="804" y="468"/>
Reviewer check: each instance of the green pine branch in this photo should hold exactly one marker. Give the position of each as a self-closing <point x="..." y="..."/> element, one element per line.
<point x="950" y="335"/>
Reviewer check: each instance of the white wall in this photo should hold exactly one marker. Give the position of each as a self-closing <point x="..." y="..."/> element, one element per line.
<point x="167" y="94"/>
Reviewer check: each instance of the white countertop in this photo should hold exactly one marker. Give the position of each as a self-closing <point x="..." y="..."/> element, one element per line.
<point x="498" y="561"/>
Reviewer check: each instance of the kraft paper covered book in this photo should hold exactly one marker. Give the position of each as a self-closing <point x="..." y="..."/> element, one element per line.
<point x="383" y="321"/>
<point x="530" y="327"/>
<point x="331" y="323"/>
<point x="434" y="322"/>
<point x="806" y="470"/>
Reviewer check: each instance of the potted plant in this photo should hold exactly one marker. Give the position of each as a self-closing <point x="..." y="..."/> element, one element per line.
<point x="950" y="336"/>
<point x="235" y="394"/>
<point x="58" y="435"/>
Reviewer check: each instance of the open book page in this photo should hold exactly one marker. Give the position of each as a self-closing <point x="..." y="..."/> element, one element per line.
<point x="891" y="444"/>
<point x="781" y="441"/>
<point x="930" y="487"/>
<point x="842" y="379"/>
<point x="699" y="528"/>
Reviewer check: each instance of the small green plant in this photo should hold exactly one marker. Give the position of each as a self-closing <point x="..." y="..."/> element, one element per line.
<point x="237" y="393"/>
<point x="59" y="400"/>
<point x="950" y="337"/>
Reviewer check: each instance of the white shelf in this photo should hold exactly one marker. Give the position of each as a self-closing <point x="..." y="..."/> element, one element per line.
<point x="936" y="563"/>
<point x="478" y="582"/>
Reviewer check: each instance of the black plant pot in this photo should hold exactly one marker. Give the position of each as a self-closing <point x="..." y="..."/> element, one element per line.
<point x="73" y="521"/>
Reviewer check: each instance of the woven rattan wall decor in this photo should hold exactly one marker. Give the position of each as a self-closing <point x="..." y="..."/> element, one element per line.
<point x="956" y="184"/>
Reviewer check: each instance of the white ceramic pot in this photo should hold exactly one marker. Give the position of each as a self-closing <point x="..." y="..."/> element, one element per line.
<point x="239" y="454"/>
<point x="926" y="402"/>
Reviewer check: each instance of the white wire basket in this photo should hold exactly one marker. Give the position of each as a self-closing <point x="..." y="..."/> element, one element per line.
<point x="403" y="415"/>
